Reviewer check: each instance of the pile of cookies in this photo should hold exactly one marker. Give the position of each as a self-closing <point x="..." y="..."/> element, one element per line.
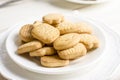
<point x="56" y="41"/>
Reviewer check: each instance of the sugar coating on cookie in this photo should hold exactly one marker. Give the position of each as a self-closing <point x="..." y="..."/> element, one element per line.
<point x="90" y="41"/>
<point x="30" y="46"/>
<point x="53" y="18"/>
<point x="74" y="52"/>
<point x="69" y="27"/>
<point x="53" y="61"/>
<point x="25" y="33"/>
<point x="45" y="33"/>
<point x="66" y="41"/>
<point x="43" y="51"/>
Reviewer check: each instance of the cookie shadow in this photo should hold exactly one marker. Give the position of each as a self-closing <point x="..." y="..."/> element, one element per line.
<point x="35" y="60"/>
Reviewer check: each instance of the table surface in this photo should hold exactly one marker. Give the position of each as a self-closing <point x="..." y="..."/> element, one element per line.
<point x="25" y="9"/>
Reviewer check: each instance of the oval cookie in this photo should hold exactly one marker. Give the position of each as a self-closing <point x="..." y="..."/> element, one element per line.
<point x="28" y="47"/>
<point x="68" y="27"/>
<point x="66" y="41"/>
<point x="83" y="28"/>
<point x="53" y="18"/>
<point x="74" y="52"/>
<point x="45" y="33"/>
<point x="43" y="51"/>
<point x="25" y="33"/>
<point x="53" y="61"/>
<point x="90" y="41"/>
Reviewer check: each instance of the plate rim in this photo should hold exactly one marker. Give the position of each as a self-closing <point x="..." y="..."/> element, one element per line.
<point x="6" y="76"/>
<point x="43" y="72"/>
<point x="86" y="2"/>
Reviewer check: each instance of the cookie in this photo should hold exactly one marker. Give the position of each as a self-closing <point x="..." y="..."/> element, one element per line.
<point x="66" y="41"/>
<point x="45" y="33"/>
<point x="74" y="52"/>
<point x="90" y="41"/>
<point x="84" y="28"/>
<point x="28" y="47"/>
<point x="43" y="51"/>
<point x="53" y="61"/>
<point x="53" y="18"/>
<point x="25" y="33"/>
<point x="69" y="27"/>
<point x="37" y="23"/>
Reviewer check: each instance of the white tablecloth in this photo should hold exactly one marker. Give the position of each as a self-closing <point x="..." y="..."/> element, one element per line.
<point x="26" y="9"/>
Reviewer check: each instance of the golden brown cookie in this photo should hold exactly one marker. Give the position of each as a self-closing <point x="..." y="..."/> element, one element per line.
<point x="28" y="47"/>
<point x="69" y="27"/>
<point x="43" y="51"/>
<point x="45" y="33"/>
<point x="83" y="28"/>
<point x="74" y="52"/>
<point x="53" y="18"/>
<point x="25" y="33"/>
<point x="90" y="41"/>
<point x="66" y="41"/>
<point x="37" y="23"/>
<point x="53" y="61"/>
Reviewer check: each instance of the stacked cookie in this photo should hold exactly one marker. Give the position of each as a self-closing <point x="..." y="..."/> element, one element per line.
<point x="56" y="41"/>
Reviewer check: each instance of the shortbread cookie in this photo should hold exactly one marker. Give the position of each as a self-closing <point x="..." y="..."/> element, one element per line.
<point x="45" y="33"/>
<point x="66" y="41"/>
<point x="53" y="61"/>
<point x="37" y="23"/>
<point x="74" y="52"/>
<point x="90" y="41"/>
<point x="25" y="33"/>
<point x="84" y="28"/>
<point x="28" y="47"/>
<point x="69" y="27"/>
<point x="43" y="51"/>
<point x="53" y="18"/>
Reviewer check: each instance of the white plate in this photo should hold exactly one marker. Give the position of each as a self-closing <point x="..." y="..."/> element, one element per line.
<point x="101" y="71"/>
<point x="87" y="2"/>
<point x="31" y="64"/>
<point x="78" y="64"/>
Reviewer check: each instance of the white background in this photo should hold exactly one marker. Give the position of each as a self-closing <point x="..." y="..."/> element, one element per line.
<point x="108" y="12"/>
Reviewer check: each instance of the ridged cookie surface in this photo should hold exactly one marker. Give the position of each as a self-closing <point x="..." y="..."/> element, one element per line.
<point x="69" y="27"/>
<point x="66" y="41"/>
<point x="45" y="33"/>
<point x="25" y="33"/>
<point x="74" y="52"/>
<point x="90" y="41"/>
<point x="28" y="47"/>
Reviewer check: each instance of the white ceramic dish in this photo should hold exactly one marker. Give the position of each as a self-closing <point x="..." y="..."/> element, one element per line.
<point x="79" y="64"/>
<point x="101" y="71"/>
<point x="87" y="2"/>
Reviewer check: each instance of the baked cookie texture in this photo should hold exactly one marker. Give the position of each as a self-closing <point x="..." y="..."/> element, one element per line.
<point x="25" y="33"/>
<point x="53" y="61"/>
<point x="30" y="46"/>
<point x="57" y="41"/>
<point x="72" y="53"/>
<point x="45" y="33"/>
<point x="69" y="27"/>
<point x="66" y="41"/>
<point x="53" y="18"/>
<point x="90" y="41"/>
<point x="43" y="51"/>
